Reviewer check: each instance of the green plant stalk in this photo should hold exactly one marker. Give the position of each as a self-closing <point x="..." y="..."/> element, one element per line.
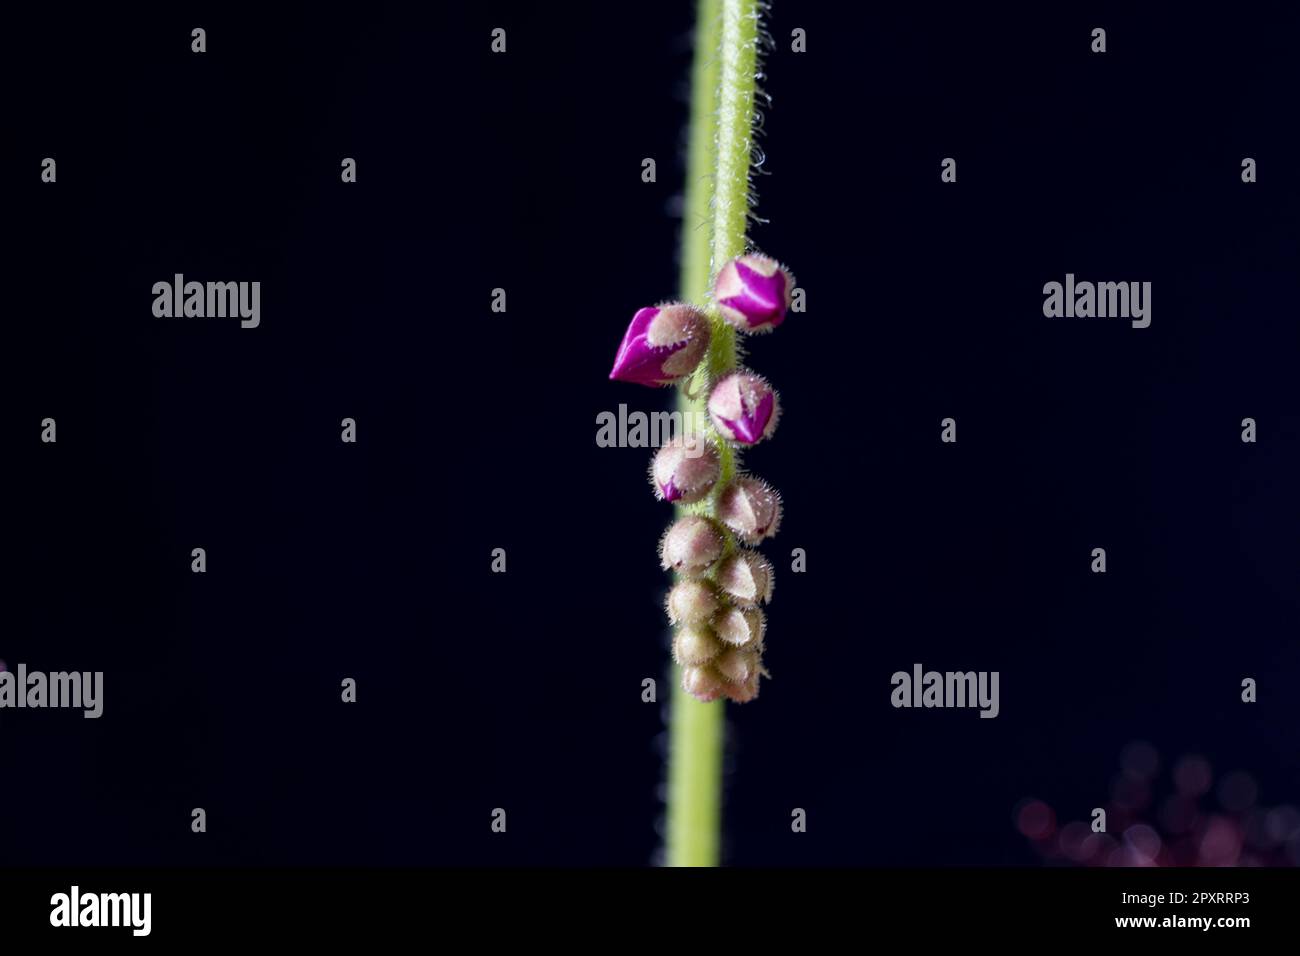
<point x="713" y="231"/>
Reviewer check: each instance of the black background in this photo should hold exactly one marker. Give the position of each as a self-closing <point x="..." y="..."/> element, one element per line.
<point x="477" y="430"/>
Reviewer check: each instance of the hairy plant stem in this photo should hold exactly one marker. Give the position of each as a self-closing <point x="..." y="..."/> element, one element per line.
<point x="713" y="231"/>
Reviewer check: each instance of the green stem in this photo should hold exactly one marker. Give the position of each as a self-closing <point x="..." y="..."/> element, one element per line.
<point x="716" y="216"/>
<point x="697" y="224"/>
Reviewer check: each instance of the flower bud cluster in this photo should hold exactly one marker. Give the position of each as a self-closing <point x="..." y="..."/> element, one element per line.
<point x="714" y="607"/>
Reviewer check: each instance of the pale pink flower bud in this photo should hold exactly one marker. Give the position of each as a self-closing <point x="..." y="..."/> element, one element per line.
<point x="743" y="407"/>
<point x="751" y="508"/>
<point x="662" y="345"/>
<point x="701" y="683"/>
<point x="684" y="470"/>
<point x="691" y="545"/>
<point x="692" y="601"/>
<point x="743" y="692"/>
<point x="753" y="293"/>
<point x="737" y="665"/>
<point x="741" y="627"/>
<point x="694" y="646"/>
<point x="747" y="578"/>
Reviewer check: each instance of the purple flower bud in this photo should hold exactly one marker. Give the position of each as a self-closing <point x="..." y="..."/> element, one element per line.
<point x="662" y="345"/>
<point x="701" y="683"/>
<point x="753" y="293"/>
<point x="691" y="545"/>
<point x="741" y="627"/>
<point x="751" y="508"/>
<point x="747" y="578"/>
<point x="685" y="470"/>
<point x="743" y="407"/>
<point x="692" y="602"/>
<point x="695" y="646"/>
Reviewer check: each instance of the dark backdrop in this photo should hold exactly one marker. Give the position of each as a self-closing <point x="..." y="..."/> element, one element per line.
<point x="477" y="430"/>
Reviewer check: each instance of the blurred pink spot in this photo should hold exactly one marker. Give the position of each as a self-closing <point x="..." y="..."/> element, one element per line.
<point x="1074" y="842"/>
<point x="1120" y="856"/>
<point x="1182" y="852"/>
<point x="1130" y="792"/>
<point x="1255" y="828"/>
<point x="1178" y="814"/>
<point x="1036" y="820"/>
<point x="1282" y="823"/>
<point x="1106" y="845"/>
<point x="1192" y="776"/>
<point x="1144" y="842"/>
<point x="1221" y="843"/>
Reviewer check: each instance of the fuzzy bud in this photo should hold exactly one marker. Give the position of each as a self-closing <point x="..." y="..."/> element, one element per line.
<point x="743" y="407"/>
<point x="737" y="665"/>
<point x="747" y="578"/>
<point x="751" y="508"/>
<point x="753" y="293"/>
<point x="693" y="601"/>
<point x="743" y="692"/>
<point x="691" y="545"/>
<point x="695" y="646"/>
<point x="662" y="345"/>
<point x="701" y="683"/>
<point x="685" y="469"/>
<point x="741" y="627"/>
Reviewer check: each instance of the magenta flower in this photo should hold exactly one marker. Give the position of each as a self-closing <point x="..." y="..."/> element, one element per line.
<point x="753" y="293"/>
<point x="662" y="345"/>
<point x="743" y="407"/>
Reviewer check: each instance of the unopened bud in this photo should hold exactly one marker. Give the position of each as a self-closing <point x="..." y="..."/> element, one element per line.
<point x="701" y="683"/>
<point x="743" y="692"/>
<point x="662" y="345"/>
<point x="753" y="293"/>
<point x="747" y="578"/>
<point x="694" y="646"/>
<point x="743" y="407"/>
<point x="685" y="469"/>
<point x="691" y="545"/>
<point x="692" y="601"/>
<point x="741" y="627"/>
<point x="737" y="665"/>
<point x="751" y="508"/>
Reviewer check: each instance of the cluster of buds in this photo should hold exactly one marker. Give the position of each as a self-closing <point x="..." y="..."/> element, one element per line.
<point x="715" y="604"/>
